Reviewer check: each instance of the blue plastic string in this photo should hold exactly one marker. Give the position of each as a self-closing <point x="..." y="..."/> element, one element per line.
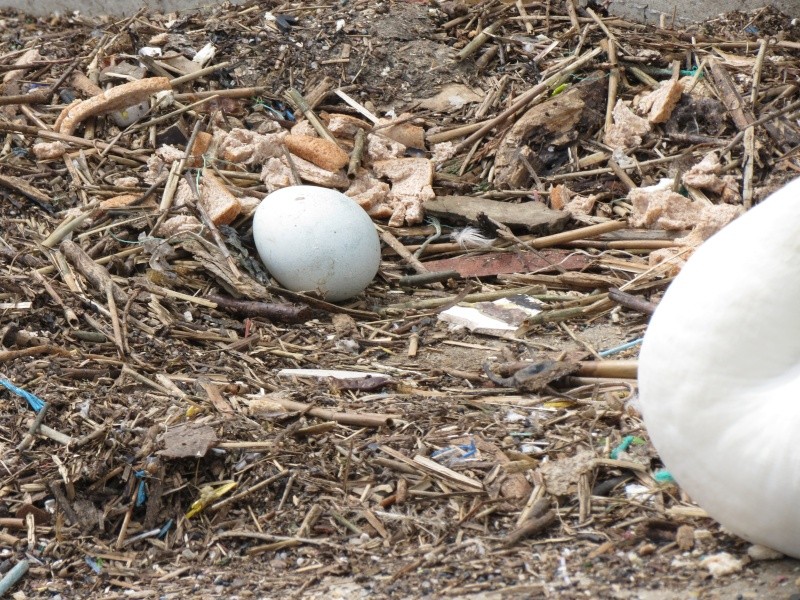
<point x="625" y="346"/>
<point x="663" y="476"/>
<point x="36" y="403"/>
<point x="623" y="445"/>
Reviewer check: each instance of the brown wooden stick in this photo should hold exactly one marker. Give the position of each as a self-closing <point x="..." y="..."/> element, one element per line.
<point x="760" y="121"/>
<point x="274" y="311"/>
<point x="478" y="41"/>
<point x="622" y="175"/>
<point x="533" y="241"/>
<point x="40" y="96"/>
<point x="319" y="303"/>
<point x="69" y="313"/>
<point x="12" y="522"/>
<point x="355" y="419"/>
<point x="89" y="437"/>
<point x="625" y="369"/>
<point x="25" y="188"/>
<point x="631" y="301"/>
<point x="71" y="139"/>
<point x="296" y="99"/>
<point x="622" y="244"/>
<point x="97" y="276"/>
<point x="541" y="520"/>
<point x="244" y="494"/>
<point x="398" y="247"/>
<point x="37" y="422"/>
<point x="357" y="154"/>
<point x="246" y="92"/>
<point x="6" y="355"/>
<point x="64" y="504"/>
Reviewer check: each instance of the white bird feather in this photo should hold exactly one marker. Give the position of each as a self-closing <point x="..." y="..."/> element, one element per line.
<point x="471" y="237"/>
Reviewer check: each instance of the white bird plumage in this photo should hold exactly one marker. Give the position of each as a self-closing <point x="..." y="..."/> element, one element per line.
<point x="719" y="374"/>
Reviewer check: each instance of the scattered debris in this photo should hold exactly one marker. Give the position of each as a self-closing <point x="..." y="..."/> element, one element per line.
<point x="488" y="318"/>
<point x="722" y="564"/>
<point x="627" y="129"/>
<point x="684" y="537"/>
<point x="172" y="419"/>
<point x="451" y="97"/>
<point x="757" y="552"/>
<point x="531" y="216"/>
<point x="658" y="105"/>
<point x="540" y="139"/>
<point x="188" y="440"/>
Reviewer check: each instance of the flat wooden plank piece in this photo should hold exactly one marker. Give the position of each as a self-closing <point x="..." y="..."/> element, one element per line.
<point x="532" y="215"/>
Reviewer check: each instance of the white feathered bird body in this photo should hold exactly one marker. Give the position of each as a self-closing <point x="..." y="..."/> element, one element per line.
<point x="719" y="374"/>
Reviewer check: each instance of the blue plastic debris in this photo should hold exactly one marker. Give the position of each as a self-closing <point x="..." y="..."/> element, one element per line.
<point x="626" y="443"/>
<point x="36" y="403"/>
<point x="94" y="565"/>
<point x="663" y="476"/>
<point x="454" y="454"/>
<point x="165" y="529"/>
<point x="141" y="491"/>
<point x="620" y="348"/>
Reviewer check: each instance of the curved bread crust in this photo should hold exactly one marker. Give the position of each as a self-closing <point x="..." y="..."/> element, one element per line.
<point x="323" y="153"/>
<point x="116" y="98"/>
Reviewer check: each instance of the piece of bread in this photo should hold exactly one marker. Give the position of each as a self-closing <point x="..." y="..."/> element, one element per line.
<point x="220" y="204"/>
<point x="124" y="200"/>
<point x="116" y="98"/>
<point x="201" y="144"/>
<point x="660" y="103"/>
<point x="323" y="153"/>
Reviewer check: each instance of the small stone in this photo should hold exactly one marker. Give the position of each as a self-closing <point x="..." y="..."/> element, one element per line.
<point x="684" y="537"/>
<point x="722" y="564"/>
<point x="703" y="536"/>
<point x="647" y="549"/>
<point x="759" y="552"/>
<point x="635" y="559"/>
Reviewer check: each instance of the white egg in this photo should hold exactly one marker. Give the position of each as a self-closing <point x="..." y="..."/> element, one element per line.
<point x="316" y="239"/>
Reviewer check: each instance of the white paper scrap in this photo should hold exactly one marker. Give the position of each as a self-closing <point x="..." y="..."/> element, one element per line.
<point x="335" y="373"/>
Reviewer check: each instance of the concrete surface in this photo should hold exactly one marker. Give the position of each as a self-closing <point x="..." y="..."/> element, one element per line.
<point x="694" y="10"/>
<point x="102" y="7"/>
<point x="639" y="10"/>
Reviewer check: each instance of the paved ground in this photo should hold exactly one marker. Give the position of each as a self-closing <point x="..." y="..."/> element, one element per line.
<point x="650" y="10"/>
<point x="694" y="10"/>
<point x="99" y="7"/>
